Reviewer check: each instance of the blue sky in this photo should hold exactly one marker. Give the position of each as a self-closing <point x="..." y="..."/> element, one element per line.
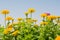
<point x="18" y="7"/>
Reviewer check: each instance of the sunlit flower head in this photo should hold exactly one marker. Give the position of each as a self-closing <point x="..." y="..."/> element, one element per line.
<point x="5" y="11"/>
<point x="43" y="15"/>
<point x="31" y="10"/>
<point x="26" y="13"/>
<point x="29" y="20"/>
<point x="7" y="30"/>
<point x="43" y="23"/>
<point x="8" y="18"/>
<point x="57" y="38"/>
<point x="19" y="19"/>
<point x="51" y="17"/>
<point x="12" y="18"/>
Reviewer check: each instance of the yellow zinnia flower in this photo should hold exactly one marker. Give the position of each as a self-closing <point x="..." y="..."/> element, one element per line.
<point x="51" y="17"/>
<point x="43" y="23"/>
<point x="6" y="31"/>
<point x="31" y="10"/>
<point x="5" y="11"/>
<point x="9" y="29"/>
<point x="26" y="13"/>
<point x="15" y="33"/>
<point x="8" y="18"/>
<point x="29" y="20"/>
<point x="12" y="18"/>
<point x="43" y="15"/>
<point x="57" y="38"/>
<point x="19" y="19"/>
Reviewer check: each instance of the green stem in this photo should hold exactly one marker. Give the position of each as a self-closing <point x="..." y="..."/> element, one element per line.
<point x="5" y="20"/>
<point x="8" y="22"/>
<point x="58" y="19"/>
<point x="12" y="21"/>
<point x="15" y="37"/>
<point x="31" y="15"/>
<point x="26" y="16"/>
<point x="43" y="19"/>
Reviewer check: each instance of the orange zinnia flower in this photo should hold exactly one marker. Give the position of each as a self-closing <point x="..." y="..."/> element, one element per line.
<point x="9" y="18"/>
<point x="51" y="17"/>
<point x="43" y="15"/>
<point x="5" y="11"/>
<point x="57" y="38"/>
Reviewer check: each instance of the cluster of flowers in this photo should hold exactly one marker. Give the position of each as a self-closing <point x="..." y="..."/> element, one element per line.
<point x="28" y="29"/>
